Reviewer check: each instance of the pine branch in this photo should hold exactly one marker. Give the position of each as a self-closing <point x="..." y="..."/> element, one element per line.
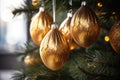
<point x="24" y="10"/>
<point x="33" y="49"/>
<point x="91" y="74"/>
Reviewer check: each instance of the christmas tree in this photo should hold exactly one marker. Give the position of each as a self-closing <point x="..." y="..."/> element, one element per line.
<point x="89" y="50"/>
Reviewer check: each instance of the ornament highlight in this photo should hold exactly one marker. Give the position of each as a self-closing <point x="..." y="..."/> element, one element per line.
<point x="106" y="38"/>
<point x="40" y="25"/>
<point x="65" y="29"/>
<point x="99" y="4"/>
<point x="115" y="37"/>
<point x="54" y="50"/>
<point x="84" y="26"/>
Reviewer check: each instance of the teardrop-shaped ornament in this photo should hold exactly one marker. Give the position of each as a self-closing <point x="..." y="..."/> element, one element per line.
<point x="115" y="37"/>
<point x="54" y="49"/>
<point x="40" y="25"/>
<point x="84" y="26"/>
<point x="65" y="29"/>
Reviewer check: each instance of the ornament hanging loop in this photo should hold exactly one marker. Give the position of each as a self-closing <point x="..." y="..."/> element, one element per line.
<point x="70" y="12"/>
<point x="70" y="2"/>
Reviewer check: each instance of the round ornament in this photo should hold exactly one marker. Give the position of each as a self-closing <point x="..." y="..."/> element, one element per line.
<point x="36" y="2"/>
<point x="32" y="59"/>
<point x="115" y="37"/>
<point x="40" y="25"/>
<point x="54" y="50"/>
<point x="84" y="26"/>
<point x="65" y="29"/>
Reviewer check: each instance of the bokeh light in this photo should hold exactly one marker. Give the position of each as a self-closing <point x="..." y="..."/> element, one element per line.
<point x="99" y="4"/>
<point x="106" y="38"/>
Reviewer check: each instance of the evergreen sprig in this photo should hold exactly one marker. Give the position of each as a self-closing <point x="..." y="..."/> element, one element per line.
<point x="83" y="64"/>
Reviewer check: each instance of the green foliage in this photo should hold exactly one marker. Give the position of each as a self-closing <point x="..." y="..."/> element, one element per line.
<point x="108" y="14"/>
<point x="83" y="64"/>
<point x="98" y="62"/>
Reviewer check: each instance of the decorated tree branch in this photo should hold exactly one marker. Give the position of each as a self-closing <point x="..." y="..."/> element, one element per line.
<point x="82" y="48"/>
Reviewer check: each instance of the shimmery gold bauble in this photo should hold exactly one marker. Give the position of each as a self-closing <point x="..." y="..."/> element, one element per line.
<point x="65" y="29"/>
<point x="36" y="2"/>
<point x="84" y="26"/>
<point x="115" y="37"/>
<point x="40" y="25"/>
<point x="54" y="50"/>
<point x="32" y="59"/>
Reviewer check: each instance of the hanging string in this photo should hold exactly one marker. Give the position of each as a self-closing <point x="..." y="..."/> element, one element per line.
<point x="54" y="7"/>
<point x="70" y="3"/>
<point x="42" y="3"/>
<point x="42" y="6"/>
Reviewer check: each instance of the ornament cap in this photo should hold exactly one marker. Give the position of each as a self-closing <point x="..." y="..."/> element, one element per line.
<point x="69" y="14"/>
<point x="83" y="3"/>
<point x="53" y="26"/>
<point x="41" y="9"/>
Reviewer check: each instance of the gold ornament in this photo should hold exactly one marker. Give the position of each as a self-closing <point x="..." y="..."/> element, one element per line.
<point x="84" y="26"/>
<point x="54" y="49"/>
<point x="36" y="2"/>
<point x="32" y="59"/>
<point x="115" y="37"/>
<point x="40" y="25"/>
<point x="65" y="29"/>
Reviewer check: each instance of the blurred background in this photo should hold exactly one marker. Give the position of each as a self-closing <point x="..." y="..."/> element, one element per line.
<point x="13" y="35"/>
